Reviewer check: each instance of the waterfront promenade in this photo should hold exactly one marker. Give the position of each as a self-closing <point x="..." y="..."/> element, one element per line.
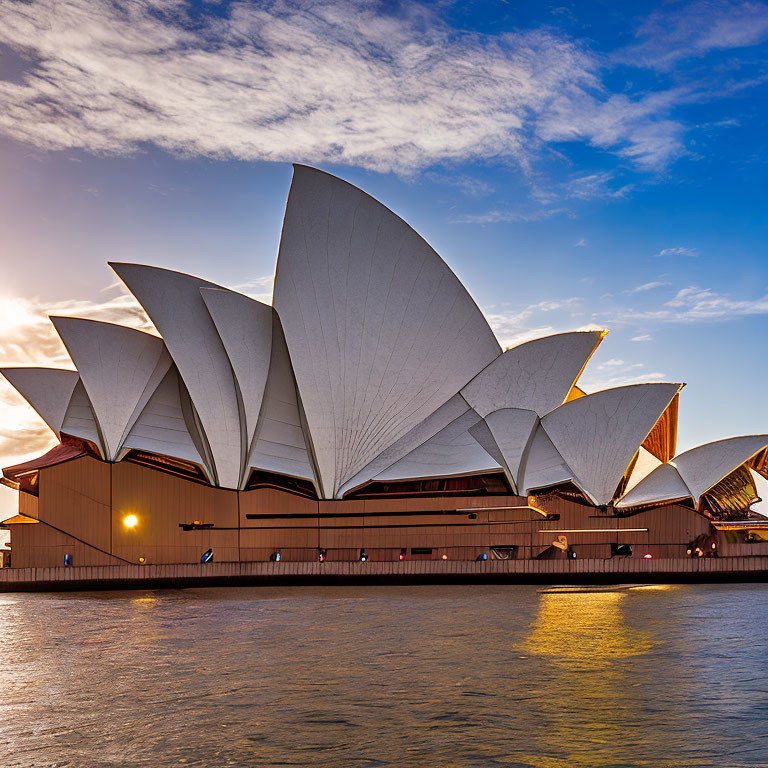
<point x="586" y="571"/>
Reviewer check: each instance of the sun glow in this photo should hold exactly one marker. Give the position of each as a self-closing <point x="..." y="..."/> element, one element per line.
<point x="130" y="521"/>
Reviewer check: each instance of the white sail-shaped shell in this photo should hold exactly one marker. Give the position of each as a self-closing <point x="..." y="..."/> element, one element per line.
<point x="47" y="390"/>
<point x="599" y="434"/>
<point x="511" y="430"/>
<point x="381" y="333"/>
<point x="645" y="464"/>
<point x="542" y="465"/>
<point x="451" y="452"/>
<point x="706" y="465"/>
<point x="280" y="442"/>
<point x="163" y="427"/>
<point x="80" y="420"/>
<point x="116" y="365"/>
<point x="174" y="304"/>
<point x="695" y="471"/>
<point x="663" y="484"/>
<point x="442" y="417"/>
<point x="245" y="328"/>
<point x="536" y="376"/>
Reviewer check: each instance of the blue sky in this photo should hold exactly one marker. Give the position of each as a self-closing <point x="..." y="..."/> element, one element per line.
<point x="582" y="164"/>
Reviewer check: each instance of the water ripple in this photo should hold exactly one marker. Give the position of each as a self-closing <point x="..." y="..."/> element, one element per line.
<point x="406" y="677"/>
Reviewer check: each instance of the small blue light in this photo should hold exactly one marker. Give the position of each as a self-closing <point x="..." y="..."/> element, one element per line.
<point x="207" y="556"/>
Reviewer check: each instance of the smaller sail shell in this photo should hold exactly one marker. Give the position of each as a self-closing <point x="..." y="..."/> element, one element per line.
<point x="451" y="452"/>
<point x="175" y="305"/>
<point x="663" y="484"/>
<point x="536" y="376"/>
<point x="599" y="434"/>
<point x="116" y="364"/>
<point x="47" y="390"/>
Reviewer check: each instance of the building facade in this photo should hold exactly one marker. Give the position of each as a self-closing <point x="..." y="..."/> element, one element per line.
<point x="370" y="413"/>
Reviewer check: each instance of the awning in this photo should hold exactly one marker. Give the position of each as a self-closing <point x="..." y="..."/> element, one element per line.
<point x="57" y="455"/>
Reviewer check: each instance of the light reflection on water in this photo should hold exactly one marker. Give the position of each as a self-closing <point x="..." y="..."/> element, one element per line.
<point x="585" y="631"/>
<point x="416" y="676"/>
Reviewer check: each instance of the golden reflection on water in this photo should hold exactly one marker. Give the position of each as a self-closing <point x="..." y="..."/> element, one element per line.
<point x="587" y="638"/>
<point x="146" y="601"/>
<point x="584" y="631"/>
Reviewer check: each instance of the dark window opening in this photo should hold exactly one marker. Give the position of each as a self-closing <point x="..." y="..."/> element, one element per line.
<point x="261" y="479"/>
<point x="178" y="467"/>
<point x="567" y="491"/>
<point x="468" y="485"/>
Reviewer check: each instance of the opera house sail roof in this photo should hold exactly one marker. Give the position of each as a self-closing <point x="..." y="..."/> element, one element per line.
<point x="374" y="366"/>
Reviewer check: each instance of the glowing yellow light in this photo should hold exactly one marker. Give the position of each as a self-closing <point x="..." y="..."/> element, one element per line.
<point x="445" y="557"/>
<point x="142" y="560"/>
<point x="130" y="521"/>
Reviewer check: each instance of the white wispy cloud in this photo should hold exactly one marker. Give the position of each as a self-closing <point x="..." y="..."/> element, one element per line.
<point x="678" y="251"/>
<point x="594" y="382"/>
<point x="27" y="337"/>
<point x="616" y="372"/>
<point x="647" y="286"/>
<point x="593" y="186"/>
<point x="689" y="305"/>
<point x="683" y="30"/>
<point x="638" y="129"/>
<point x="316" y="81"/>
<point x="542" y="318"/>
<point x="509" y="215"/>
<point x="695" y="303"/>
<point x="260" y="288"/>
<point x="580" y="243"/>
<point x="469" y="185"/>
<point x="642" y="337"/>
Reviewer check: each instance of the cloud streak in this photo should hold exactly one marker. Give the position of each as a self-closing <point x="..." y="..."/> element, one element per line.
<point x="594" y="381"/>
<point x="509" y="215"/>
<point x="689" y="305"/>
<point x="681" y="31"/>
<point x="316" y="81"/>
<point x="515" y="326"/>
<point x="677" y="251"/>
<point x="642" y="288"/>
<point x="693" y="303"/>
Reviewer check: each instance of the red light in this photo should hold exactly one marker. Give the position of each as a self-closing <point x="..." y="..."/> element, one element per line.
<point x="647" y="556"/>
<point x="402" y="556"/>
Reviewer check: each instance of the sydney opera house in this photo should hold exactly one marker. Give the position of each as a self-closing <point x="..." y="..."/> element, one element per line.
<point x="369" y="414"/>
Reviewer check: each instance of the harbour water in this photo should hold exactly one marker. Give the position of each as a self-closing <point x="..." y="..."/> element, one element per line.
<point x="441" y="676"/>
